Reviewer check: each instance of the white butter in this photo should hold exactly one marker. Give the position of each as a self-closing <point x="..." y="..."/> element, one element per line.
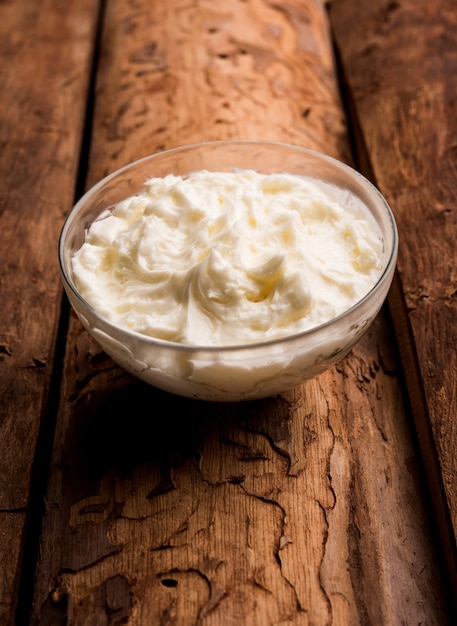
<point x="229" y="258"/>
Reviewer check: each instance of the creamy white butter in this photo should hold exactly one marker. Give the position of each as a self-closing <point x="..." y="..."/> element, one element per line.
<point x="229" y="258"/>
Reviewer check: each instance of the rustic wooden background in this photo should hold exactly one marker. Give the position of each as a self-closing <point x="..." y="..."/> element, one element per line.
<point x="334" y="503"/>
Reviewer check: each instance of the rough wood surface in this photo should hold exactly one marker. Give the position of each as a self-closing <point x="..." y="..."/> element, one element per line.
<point x="400" y="64"/>
<point x="45" y="54"/>
<point x="176" y="72"/>
<point x="306" y="508"/>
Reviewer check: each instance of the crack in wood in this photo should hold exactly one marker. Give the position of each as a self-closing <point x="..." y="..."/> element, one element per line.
<point x="36" y="364"/>
<point x="5" y="350"/>
<point x="324" y="545"/>
<point x="166" y="485"/>
<point x="282" y="541"/>
<point x="236" y="479"/>
<point x="246" y="453"/>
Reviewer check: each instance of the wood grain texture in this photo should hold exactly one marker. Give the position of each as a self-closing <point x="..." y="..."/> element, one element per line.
<point x="45" y="51"/>
<point x="301" y="509"/>
<point x="400" y="64"/>
<point x="205" y="70"/>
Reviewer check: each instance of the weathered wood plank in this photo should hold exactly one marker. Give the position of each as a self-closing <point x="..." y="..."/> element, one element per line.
<point x="305" y="508"/>
<point x="45" y="50"/>
<point x="400" y="63"/>
<point x="224" y="76"/>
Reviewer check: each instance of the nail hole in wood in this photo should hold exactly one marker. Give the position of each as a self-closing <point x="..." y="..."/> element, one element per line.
<point x="169" y="582"/>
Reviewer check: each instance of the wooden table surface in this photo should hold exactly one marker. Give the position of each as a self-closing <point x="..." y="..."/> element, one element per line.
<point x="334" y="503"/>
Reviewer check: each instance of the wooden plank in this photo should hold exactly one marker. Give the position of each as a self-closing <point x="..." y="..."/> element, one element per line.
<point x="225" y="77"/>
<point x="305" y="508"/>
<point x="400" y="64"/>
<point x="45" y="50"/>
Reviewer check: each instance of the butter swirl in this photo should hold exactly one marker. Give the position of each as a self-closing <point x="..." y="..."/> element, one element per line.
<point x="229" y="258"/>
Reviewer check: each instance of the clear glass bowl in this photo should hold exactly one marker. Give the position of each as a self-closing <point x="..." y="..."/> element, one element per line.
<point x="229" y="373"/>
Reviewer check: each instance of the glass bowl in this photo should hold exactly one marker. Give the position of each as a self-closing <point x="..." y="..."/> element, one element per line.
<point x="241" y="372"/>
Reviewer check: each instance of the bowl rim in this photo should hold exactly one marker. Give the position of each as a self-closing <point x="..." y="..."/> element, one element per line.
<point x="389" y="265"/>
